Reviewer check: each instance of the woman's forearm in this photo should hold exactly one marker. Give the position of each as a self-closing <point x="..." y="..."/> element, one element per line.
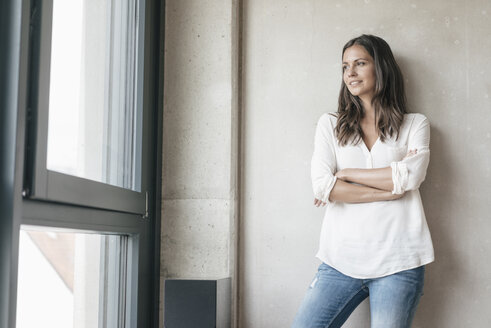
<point x="380" y="178"/>
<point x="350" y="193"/>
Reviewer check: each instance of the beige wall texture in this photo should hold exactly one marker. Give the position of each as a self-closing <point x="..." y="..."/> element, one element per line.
<point x="291" y="75"/>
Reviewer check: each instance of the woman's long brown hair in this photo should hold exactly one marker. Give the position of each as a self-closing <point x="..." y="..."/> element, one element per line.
<point x="389" y="98"/>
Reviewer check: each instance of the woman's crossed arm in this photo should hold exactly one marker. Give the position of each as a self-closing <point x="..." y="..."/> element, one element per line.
<point x="351" y="193"/>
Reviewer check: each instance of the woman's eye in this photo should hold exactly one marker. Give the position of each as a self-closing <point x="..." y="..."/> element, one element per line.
<point x="345" y="68"/>
<point x="361" y="63"/>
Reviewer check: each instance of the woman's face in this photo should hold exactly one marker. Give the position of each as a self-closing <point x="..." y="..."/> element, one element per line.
<point x="359" y="72"/>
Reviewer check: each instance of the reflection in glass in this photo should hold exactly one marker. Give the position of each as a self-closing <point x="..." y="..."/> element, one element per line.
<point x="69" y="279"/>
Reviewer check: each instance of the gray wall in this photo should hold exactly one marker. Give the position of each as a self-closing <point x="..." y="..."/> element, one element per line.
<point x="290" y="76"/>
<point x="292" y="52"/>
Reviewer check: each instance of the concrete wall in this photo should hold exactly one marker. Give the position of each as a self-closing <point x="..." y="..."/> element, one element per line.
<point x="200" y="140"/>
<point x="292" y="52"/>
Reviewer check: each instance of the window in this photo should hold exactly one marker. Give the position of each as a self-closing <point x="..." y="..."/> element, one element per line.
<point x="71" y="279"/>
<point x="88" y="110"/>
<point x="79" y="161"/>
<point x="94" y="126"/>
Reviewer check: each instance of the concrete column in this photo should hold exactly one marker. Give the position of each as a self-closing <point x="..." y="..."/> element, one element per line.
<point x="200" y="141"/>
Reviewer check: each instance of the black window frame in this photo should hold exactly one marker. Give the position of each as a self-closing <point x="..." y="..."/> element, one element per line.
<point x="18" y="88"/>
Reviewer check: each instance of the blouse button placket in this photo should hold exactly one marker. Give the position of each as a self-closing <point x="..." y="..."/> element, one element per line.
<point x="369" y="161"/>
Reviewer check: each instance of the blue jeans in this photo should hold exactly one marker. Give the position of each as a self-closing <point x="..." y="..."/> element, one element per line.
<point x="333" y="296"/>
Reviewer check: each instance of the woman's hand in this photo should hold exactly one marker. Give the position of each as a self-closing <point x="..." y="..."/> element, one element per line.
<point x="318" y="202"/>
<point x="392" y="196"/>
<point x="342" y="174"/>
<point x="410" y="153"/>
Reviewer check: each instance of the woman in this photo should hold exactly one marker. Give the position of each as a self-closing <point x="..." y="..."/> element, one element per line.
<point x="368" y="163"/>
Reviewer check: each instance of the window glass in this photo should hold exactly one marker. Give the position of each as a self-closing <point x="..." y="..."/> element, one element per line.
<point x="70" y="279"/>
<point x="94" y="130"/>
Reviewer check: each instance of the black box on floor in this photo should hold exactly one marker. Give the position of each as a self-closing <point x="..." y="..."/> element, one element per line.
<point x="197" y="303"/>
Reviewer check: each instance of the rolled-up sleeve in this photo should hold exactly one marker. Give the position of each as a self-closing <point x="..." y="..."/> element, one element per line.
<point x="409" y="173"/>
<point x="323" y="165"/>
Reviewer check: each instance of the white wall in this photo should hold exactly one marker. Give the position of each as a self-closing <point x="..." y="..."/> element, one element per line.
<point x="291" y="53"/>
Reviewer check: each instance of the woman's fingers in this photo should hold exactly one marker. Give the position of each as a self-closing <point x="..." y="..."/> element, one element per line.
<point x="411" y="153"/>
<point x="318" y="202"/>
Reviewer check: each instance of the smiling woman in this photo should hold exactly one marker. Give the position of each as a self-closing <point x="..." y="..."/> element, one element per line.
<point x="369" y="160"/>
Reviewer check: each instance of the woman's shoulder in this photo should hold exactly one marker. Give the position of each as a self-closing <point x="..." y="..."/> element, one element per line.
<point x="327" y="123"/>
<point x="415" y="120"/>
<point x="329" y="118"/>
<point x="415" y="117"/>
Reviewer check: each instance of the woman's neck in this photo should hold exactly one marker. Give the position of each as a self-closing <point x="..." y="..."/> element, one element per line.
<point x="369" y="110"/>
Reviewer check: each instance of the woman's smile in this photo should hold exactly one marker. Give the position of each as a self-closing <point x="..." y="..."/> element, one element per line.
<point x="355" y="83"/>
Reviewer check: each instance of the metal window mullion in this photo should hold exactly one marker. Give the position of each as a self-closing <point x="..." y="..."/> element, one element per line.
<point x="117" y="73"/>
<point x="132" y="280"/>
<point x="102" y="284"/>
<point x="123" y="281"/>
<point x="139" y="179"/>
<point x="126" y="132"/>
<point x="131" y="93"/>
<point x="111" y="270"/>
<point x="122" y="136"/>
<point x="40" y="64"/>
<point x="130" y="107"/>
<point x="107" y="95"/>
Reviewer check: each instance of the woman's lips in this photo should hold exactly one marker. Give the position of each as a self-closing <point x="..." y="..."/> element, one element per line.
<point x="355" y="83"/>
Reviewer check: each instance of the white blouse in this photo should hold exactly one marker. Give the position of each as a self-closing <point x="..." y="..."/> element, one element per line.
<point x="371" y="240"/>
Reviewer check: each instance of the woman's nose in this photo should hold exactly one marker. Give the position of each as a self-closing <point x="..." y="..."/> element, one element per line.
<point x="350" y="72"/>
